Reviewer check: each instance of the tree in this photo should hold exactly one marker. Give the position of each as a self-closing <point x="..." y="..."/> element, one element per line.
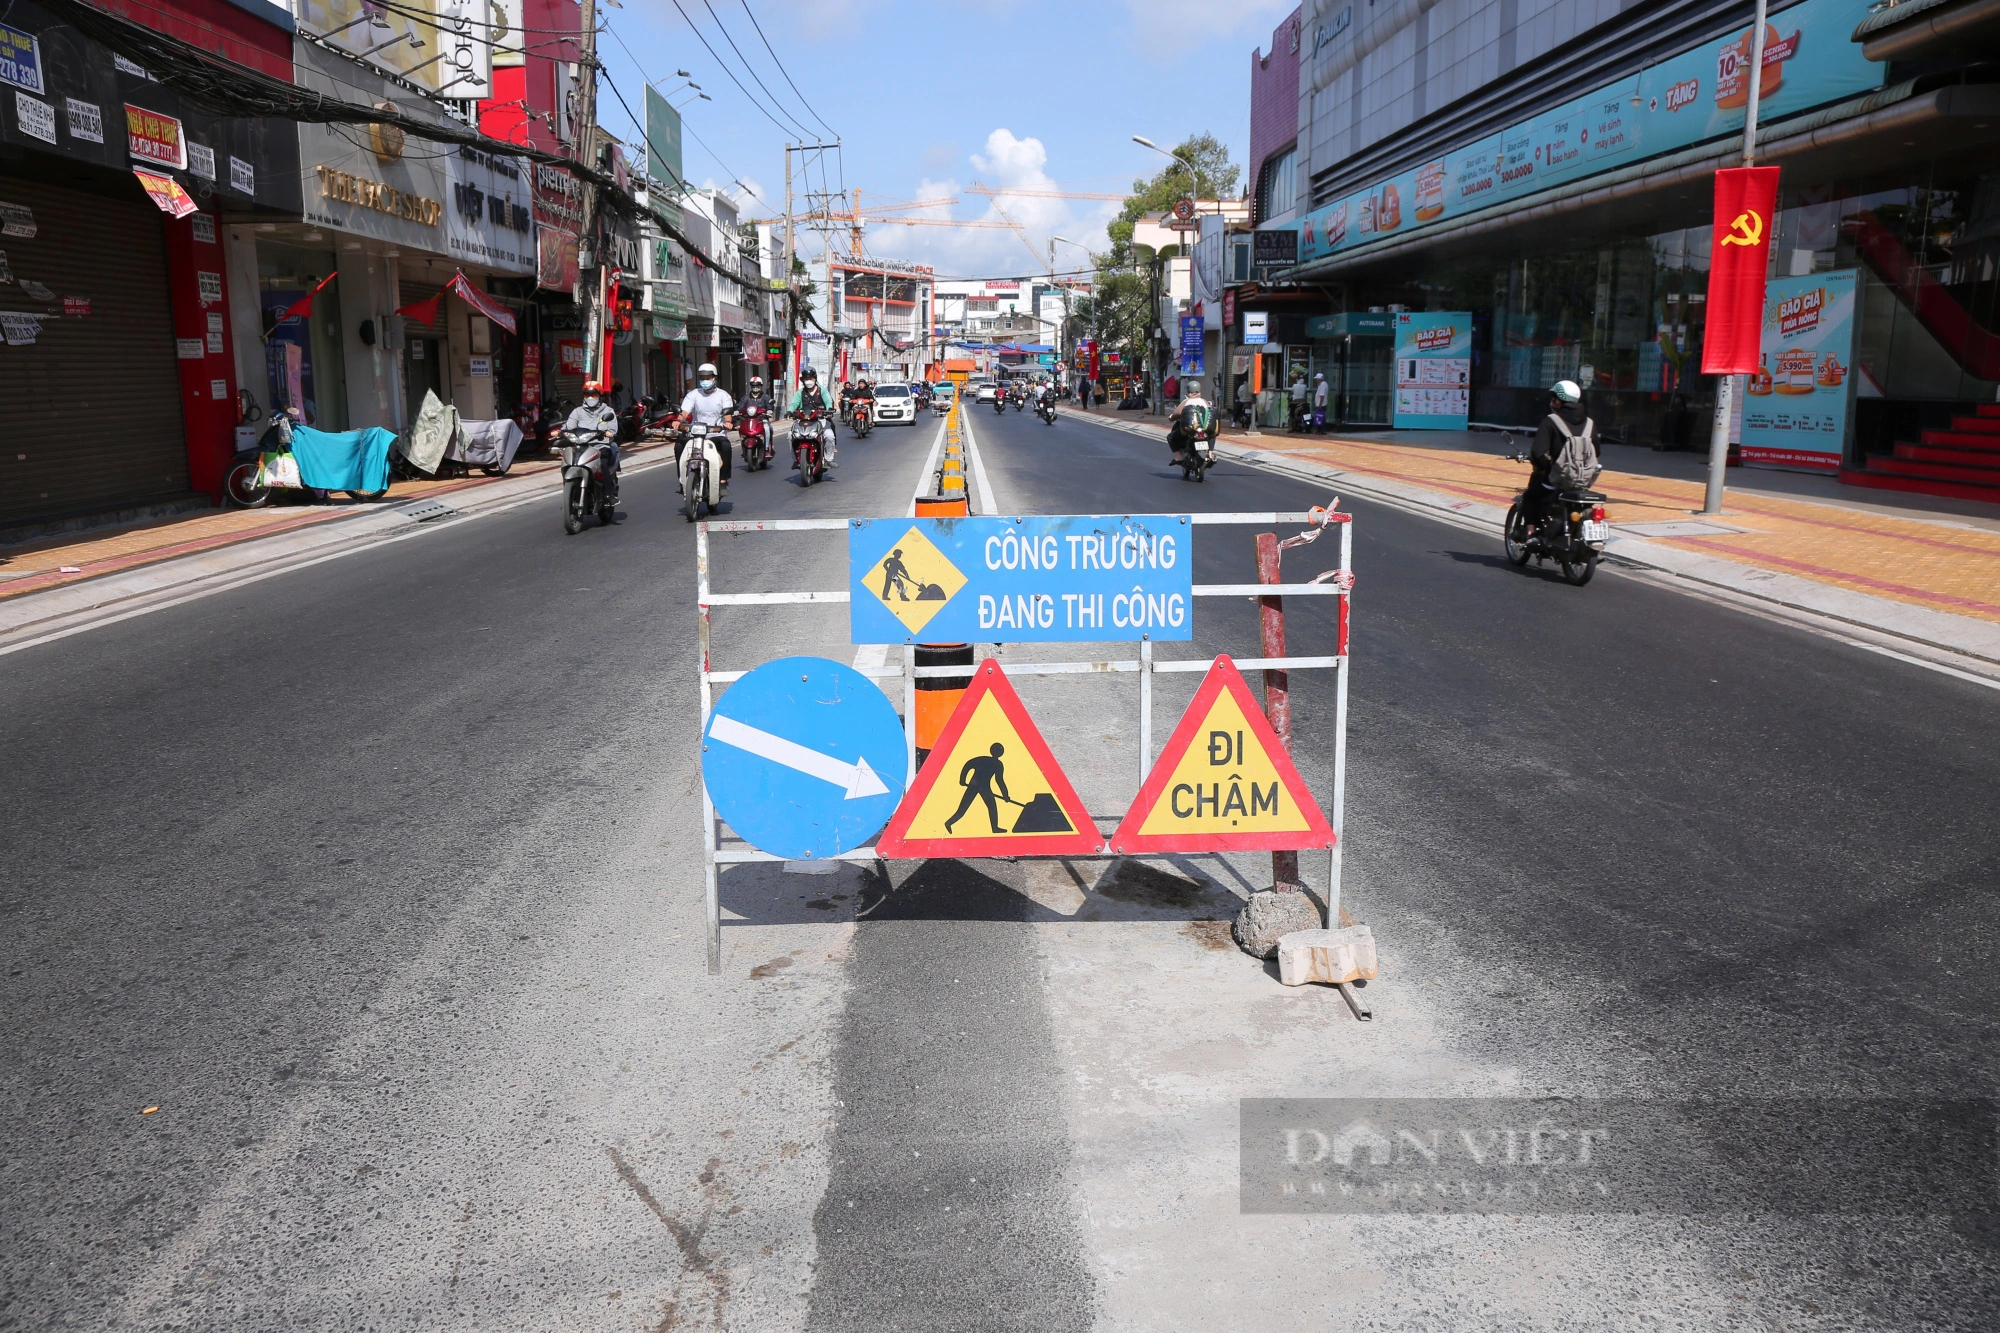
<point x="1123" y="297"/>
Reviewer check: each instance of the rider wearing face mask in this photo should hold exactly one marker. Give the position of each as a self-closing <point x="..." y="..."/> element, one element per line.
<point x="595" y="416"/>
<point x="809" y="398"/>
<point x="706" y="404"/>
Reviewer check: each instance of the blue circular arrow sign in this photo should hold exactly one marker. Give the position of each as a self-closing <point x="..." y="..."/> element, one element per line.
<point x="804" y="758"/>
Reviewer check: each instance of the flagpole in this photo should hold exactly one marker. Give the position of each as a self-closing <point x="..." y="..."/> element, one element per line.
<point x="1725" y="388"/>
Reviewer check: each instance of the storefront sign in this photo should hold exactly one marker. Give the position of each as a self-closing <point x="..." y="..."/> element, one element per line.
<point x="531" y="374"/>
<point x="558" y="204"/>
<point x="1746" y="210"/>
<point x="1275" y="247"/>
<point x="347" y="188"/>
<point x="152" y="137"/>
<point x="1433" y="370"/>
<point x="20" y="59"/>
<point x="663" y="142"/>
<point x="1801" y="397"/>
<point x="76" y="306"/>
<point x="491" y="220"/>
<point x="1686" y="99"/>
<point x="570" y="357"/>
<point x="480" y="368"/>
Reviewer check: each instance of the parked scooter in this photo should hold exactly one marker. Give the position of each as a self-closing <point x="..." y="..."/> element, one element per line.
<point x="701" y="470"/>
<point x="590" y="478"/>
<point x="256" y="475"/>
<point x="753" y="422"/>
<point x="1572" y="531"/>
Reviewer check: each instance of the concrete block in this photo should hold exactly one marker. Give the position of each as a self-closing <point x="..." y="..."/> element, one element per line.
<point x="1269" y="916"/>
<point x="1330" y="956"/>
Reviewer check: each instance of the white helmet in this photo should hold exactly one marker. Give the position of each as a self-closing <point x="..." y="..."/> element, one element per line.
<point x="705" y="368"/>
<point x="1565" y="391"/>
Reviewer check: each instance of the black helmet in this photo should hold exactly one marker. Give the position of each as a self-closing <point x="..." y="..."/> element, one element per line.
<point x="809" y="374"/>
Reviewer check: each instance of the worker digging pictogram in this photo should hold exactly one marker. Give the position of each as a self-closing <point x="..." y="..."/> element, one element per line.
<point x="914" y="580"/>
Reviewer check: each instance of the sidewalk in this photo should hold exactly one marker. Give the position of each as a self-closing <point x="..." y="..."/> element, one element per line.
<point x="74" y="557"/>
<point x="1947" y="563"/>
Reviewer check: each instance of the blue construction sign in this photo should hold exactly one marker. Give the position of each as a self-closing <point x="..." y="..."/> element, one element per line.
<point x="1047" y="579"/>
<point x="804" y="758"/>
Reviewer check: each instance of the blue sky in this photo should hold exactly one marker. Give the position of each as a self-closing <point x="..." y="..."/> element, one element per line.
<point x="929" y="97"/>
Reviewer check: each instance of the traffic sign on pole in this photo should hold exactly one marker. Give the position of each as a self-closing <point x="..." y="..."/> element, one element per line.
<point x="804" y="758"/>
<point x="990" y="787"/>
<point x="1224" y="783"/>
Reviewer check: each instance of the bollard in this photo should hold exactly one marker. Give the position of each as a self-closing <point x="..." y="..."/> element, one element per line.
<point x="937" y="696"/>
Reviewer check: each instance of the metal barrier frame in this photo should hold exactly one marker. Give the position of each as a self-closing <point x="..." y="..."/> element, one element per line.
<point x="1339" y="583"/>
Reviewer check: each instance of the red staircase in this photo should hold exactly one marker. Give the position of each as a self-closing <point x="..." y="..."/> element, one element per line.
<point x="1962" y="462"/>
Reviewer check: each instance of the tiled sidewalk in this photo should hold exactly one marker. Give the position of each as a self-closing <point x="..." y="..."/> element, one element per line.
<point x="37" y="566"/>
<point x="1937" y="564"/>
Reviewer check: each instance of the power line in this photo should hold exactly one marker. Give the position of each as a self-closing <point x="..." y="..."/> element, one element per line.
<point x="751" y="72"/>
<point x="787" y="73"/>
<point x="734" y="175"/>
<point x="782" y="128"/>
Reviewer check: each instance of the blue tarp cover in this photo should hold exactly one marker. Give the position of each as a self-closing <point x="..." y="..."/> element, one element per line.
<point x="354" y="460"/>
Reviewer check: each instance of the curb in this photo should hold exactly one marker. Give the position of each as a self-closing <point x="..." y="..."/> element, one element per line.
<point x="1906" y="625"/>
<point x="68" y="608"/>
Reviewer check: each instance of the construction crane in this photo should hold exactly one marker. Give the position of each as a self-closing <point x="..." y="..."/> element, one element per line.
<point x="977" y="188"/>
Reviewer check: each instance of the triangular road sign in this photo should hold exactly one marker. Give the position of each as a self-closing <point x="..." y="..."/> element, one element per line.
<point x="1224" y="782"/>
<point x="990" y="787"/>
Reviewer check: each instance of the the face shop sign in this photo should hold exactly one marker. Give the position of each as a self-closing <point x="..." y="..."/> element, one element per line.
<point x="1328" y="31"/>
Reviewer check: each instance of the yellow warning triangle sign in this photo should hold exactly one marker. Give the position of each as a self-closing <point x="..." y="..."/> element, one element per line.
<point x="1224" y="782"/>
<point x="990" y="787"/>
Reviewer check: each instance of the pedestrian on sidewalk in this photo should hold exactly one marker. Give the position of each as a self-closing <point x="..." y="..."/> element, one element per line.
<point x="1319" y="402"/>
<point x="1085" y="395"/>
<point x="1298" y="394"/>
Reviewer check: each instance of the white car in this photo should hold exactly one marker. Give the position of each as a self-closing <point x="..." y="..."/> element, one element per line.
<point x="985" y="391"/>
<point x="895" y="403"/>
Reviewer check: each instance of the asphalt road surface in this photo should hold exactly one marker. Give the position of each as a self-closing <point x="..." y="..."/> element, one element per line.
<point x="379" y="879"/>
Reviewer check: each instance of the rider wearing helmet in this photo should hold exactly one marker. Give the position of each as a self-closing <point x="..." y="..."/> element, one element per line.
<point x="706" y="404"/>
<point x="1194" y="420"/>
<point x="595" y="416"/>
<point x="809" y="398"/>
<point x="1566" y="418"/>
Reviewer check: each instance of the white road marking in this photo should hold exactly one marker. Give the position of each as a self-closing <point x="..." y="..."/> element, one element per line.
<point x="856" y="779"/>
<point x="986" y="503"/>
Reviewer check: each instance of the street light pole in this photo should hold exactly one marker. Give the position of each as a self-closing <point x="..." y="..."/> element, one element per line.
<point x="1725" y="388"/>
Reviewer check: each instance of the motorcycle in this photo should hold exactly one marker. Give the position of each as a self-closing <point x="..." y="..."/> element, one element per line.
<point x="1020" y="397"/>
<point x="1572" y="531"/>
<point x="547" y="435"/>
<point x="701" y="470"/>
<point x="861" y="417"/>
<point x="809" y="432"/>
<point x="256" y="474"/>
<point x="590" y="478"/>
<point x="754" y="424"/>
<point x="1045" y="408"/>
<point x="1191" y="429"/>
<point x="999" y="404"/>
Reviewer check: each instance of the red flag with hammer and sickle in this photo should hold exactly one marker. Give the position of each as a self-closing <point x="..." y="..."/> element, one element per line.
<point x="1746" y="202"/>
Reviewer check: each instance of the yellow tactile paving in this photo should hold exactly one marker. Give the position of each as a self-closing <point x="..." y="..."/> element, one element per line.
<point x="41" y="565"/>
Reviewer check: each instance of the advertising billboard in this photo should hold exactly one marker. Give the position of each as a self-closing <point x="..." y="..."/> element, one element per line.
<point x="1686" y="99"/>
<point x="1433" y="370"/>
<point x="1800" y="400"/>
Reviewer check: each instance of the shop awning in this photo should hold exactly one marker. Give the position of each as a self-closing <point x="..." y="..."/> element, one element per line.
<point x="1921" y="29"/>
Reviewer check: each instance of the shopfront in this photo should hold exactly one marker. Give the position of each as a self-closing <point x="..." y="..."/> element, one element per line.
<point x="118" y="366"/>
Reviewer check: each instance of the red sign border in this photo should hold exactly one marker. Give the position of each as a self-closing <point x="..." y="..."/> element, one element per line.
<point x="989" y="679"/>
<point x="1222" y="675"/>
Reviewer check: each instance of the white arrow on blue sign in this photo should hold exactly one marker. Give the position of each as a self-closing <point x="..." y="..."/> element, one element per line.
<point x="804" y="758"/>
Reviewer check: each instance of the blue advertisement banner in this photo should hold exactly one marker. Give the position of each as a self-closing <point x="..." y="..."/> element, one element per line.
<point x="1433" y="370"/>
<point x="1695" y="96"/>
<point x="1800" y="400"/>
<point x="1191" y="345"/>
<point x="1088" y="578"/>
<point x="21" y="59"/>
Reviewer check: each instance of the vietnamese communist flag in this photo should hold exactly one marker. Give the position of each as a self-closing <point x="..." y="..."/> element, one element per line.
<point x="1746" y="202"/>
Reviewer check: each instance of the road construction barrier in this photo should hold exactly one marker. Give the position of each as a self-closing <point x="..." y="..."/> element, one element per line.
<point x="1225" y="781"/>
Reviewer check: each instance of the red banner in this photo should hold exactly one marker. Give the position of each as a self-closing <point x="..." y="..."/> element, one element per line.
<point x="1746" y="203"/>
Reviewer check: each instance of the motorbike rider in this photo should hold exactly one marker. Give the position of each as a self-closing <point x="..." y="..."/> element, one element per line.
<point x="1566" y="407"/>
<point x="593" y="420"/>
<point x="864" y="396"/>
<point x="809" y="398"/>
<point x="1190" y="428"/>
<point x="708" y="405"/>
<point x="759" y="396"/>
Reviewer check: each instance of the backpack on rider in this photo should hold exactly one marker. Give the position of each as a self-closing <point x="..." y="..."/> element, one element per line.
<point x="1575" y="467"/>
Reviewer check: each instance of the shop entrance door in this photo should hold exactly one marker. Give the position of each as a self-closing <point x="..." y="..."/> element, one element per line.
<point x="1365" y="370"/>
<point x="424" y="362"/>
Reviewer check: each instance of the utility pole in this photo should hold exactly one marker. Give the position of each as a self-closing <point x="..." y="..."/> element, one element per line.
<point x="586" y="151"/>
<point x="1725" y="387"/>
<point x="791" y="317"/>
